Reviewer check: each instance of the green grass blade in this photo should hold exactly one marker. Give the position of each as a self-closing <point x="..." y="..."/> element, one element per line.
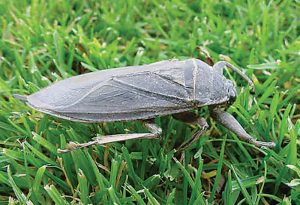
<point x="219" y="170"/>
<point x="55" y="195"/>
<point x="242" y="187"/>
<point x="19" y="194"/>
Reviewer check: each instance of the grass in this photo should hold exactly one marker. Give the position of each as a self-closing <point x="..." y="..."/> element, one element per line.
<point x="45" y="41"/>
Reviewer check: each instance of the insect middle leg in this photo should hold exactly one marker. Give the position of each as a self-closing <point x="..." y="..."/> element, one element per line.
<point x="155" y="132"/>
<point x="191" y="118"/>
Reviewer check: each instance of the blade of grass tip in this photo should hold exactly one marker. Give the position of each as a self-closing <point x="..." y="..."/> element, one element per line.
<point x="265" y="85"/>
<point x="253" y="189"/>
<point x="11" y="144"/>
<point x="152" y="181"/>
<point x="67" y="178"/>
<point x="199" y="200"/>
<point x="196" y="190"/>
<point x="114" y="172"/>
<point x="40" y="155"/>
<point x="19" y="65"/>
<point x="18" y="193"/>
<point x="145" y="154"/>
<point x="44" y="143"/>
<point x="24" y="121"/>
<point x="283" y="125"/>
<point x="89" y="67"/>
<point x="55" y="195"/>
<point x="59" y="61"/>
<point x="101" y="180"/>
<point x="134" y="193"/>
<point x="17" y="155"/>
<point x="247" y="182"/>
<point x="185" y="172"/>
<point x="138" y="56"/>
<point x="73" y="135"/>
<point x="243" y="189"/>
<point x="26" y="155"/>
<point x="241" y="113"/>
<point x="294" y="168"/>
<point x="287" y="201"/>
<point x="187" y="179"/>
<point x="263" y="184"/>
<point x="241" y="202"/>
<point x="18" y="128"/>
<point x="37" y="183"/>
<point x="3" y="178"/>
<point x="244" y="150"/>
<point x="71" y="51"/>
<point x="122" y="167"/>
<point x="275" y="198"/>
<point x="151" y="198"/>
<point x="66" y="161"/>
<point x="266" y="93"/>
<point x="58" y="181"/>
<point x="229" y="196"/>
<point x="171" y="197"/>
<point x="165" y="159"/>
<point x="7" y="127"/>
<point x="263" y="66"/>
<point x="292" y="154"/>
<point x="83" y="187"/>
<point x="113" y="195"/>
<point x="124" y="187"/>
<point x="185" y="182"/>
<point x="274" y="106"/>
<point x="219" y="171"/>
<point x="291" y="94"/>
<point x="131" y="171"/>
<point x="81" y="162"/>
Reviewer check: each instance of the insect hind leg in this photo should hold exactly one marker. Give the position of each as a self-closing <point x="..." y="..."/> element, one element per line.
<point x="155" y="132"/>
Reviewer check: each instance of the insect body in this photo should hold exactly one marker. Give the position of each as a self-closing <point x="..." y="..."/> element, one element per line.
<point x="142" y="93"/>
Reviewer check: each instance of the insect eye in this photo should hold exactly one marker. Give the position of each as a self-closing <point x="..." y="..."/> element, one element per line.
<point x="232" y="99"/>
<point x="231" y="92"/>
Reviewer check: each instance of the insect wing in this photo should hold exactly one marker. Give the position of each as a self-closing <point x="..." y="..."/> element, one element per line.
<point x="134" y="94"/>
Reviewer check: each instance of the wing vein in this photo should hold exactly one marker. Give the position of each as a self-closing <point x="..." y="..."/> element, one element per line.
<point x="173" y="99"/>
<point x="168" y="80"/>
<point x="84" y="96"/>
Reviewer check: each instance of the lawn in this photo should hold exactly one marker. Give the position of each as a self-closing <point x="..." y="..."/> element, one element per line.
<point x="45" y="41"/>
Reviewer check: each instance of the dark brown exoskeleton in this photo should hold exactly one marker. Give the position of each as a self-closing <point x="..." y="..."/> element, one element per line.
<point x="168" y="87"/>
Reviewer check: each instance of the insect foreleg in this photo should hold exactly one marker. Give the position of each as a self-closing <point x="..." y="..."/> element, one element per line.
<point x="191" y="118"/>
<point x="155" y="132"/>
<point x="228" y="121"/>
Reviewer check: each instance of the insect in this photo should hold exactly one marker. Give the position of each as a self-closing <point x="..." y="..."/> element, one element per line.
<point x="170" y="87"/>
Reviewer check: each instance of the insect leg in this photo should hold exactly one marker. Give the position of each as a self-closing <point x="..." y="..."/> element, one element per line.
<point x="155" y="132"/>
<point x="228" y="121"/>
<point x="191" y="118"/>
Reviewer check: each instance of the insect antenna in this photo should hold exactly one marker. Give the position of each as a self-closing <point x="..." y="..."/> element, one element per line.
<point x="243" y="75"/>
